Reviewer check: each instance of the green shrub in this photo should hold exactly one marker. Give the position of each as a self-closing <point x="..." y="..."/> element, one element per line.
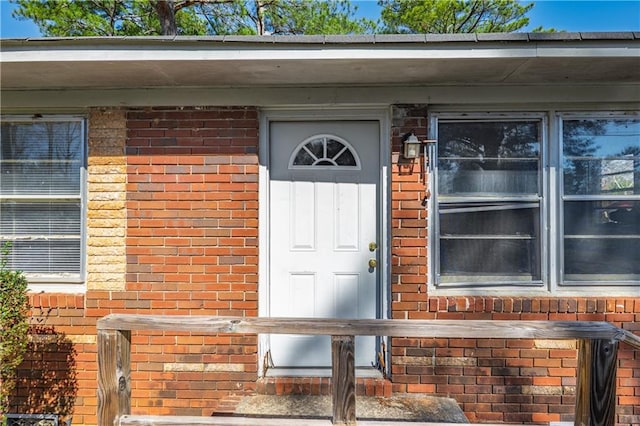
<point x="14" y="327"/>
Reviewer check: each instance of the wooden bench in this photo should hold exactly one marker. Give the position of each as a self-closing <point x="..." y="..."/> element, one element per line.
<point x="597" y="358"/>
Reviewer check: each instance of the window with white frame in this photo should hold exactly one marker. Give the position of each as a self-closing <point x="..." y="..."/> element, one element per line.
<point x="600" y="190"/>
<point x="513" y="208"/>
<point x="42" y="168"/>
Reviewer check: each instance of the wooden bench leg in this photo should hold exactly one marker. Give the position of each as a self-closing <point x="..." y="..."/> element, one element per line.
<point x="114" y="375"/>
<point x="343" y="381"/>
<point x="596" y="385"/>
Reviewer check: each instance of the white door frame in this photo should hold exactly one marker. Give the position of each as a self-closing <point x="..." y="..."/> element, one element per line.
<point x="380" y="113"/>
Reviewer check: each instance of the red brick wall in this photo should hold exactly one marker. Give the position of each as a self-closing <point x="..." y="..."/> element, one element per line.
<point x="59" y="371"/>
<point x="191" y="248"/>
<point x="517" y="381"/>
<point x="408" y="217"/>
<point x="497" y="380"/>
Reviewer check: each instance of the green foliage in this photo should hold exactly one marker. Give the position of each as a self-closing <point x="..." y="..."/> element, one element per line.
<point x="314" y="17"/>
<point x="140" y="18"/>
<point x="250" y="17"/>
<point x="67" y="18"/>
<point x="453" y="16"/>
<point x="14" y="326"/>
<point x="280" y="17"/>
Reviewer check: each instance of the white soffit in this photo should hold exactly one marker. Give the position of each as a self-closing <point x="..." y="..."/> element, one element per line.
<point x="318" y="61"/>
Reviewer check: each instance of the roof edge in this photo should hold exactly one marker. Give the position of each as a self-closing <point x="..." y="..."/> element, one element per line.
<point x="335" y="39"/>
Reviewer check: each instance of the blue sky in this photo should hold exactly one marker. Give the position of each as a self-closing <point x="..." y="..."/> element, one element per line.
<point x="575" y="15"/>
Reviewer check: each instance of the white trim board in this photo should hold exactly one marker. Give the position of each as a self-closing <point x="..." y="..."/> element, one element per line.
<point x="534" y="97"/>
<point x="372" y="112"/>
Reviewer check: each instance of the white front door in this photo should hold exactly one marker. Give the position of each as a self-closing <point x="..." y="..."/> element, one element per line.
<point x="324" y="216"/>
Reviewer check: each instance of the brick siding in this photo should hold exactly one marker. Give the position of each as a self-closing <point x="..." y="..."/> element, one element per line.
<point x="516" y="381"/>
<point x="173" y="229"/>
<point x="192" y="249"/>
<point x="494" y="380"/>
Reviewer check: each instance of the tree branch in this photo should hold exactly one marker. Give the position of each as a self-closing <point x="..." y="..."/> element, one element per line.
<point x="481" y="14"/>
<point x="111" y="14"/>
<point x="188" y="3"/>
<point x="474" y="7"/>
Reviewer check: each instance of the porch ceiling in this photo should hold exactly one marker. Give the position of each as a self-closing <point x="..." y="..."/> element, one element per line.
<point x="316" y="61"/>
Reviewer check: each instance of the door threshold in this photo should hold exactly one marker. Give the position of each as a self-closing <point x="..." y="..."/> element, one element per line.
<point x="361" y="372"/>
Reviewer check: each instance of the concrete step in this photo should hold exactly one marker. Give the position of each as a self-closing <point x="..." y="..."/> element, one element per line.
<point x="399" y="407"/>
<point x="283" y="385"/>
<point x="129" y="420"/>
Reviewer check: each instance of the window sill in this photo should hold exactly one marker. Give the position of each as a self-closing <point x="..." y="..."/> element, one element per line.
<point x="57" y="287"/>
<point x="602" y="291"/>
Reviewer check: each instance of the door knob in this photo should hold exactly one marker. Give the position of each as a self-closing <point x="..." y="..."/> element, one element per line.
<point x="373" y="246"/>
<point x="373" y="263"/>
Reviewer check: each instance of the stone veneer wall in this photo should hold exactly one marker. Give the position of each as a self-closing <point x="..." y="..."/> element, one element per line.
<point x="106" y="200"/>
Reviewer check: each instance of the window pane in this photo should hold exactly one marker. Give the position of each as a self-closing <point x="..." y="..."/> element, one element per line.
<point x="303" y="158"/>
<point x="601" y="259"/>
<point x="602" y="176"/>
<point x="489" y="139"/>
<point x="46" y="256"/>
<point x="583" y="218"/>
<point x="488" y="157"/>
<point x="44" y="236"/>
<point x="601" y="138"/>
<point x="333" y="148"/>
<point x="489" y="242"/>
<point x="41" y="158"/>
<point x="316" y="147"/>
<point x="460" y="177"/>
<point x="39" y="218"/>
<point x="346" y="159"/>
<point x="602" y="240"/>
<point x="41" y="167"/>
<point x="601" y="157"/>
<point x="488" y="261"/>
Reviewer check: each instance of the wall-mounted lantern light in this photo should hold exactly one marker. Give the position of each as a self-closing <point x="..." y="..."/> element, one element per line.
<point x="411" y="147"/>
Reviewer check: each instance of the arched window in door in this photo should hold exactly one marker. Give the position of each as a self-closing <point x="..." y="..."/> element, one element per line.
<point x="324" y="151"/>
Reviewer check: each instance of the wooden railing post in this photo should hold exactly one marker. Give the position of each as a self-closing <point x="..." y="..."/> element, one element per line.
<point x="596" y="384"/>
<point x="343" y="380"/>
<point x="114" y="375"/>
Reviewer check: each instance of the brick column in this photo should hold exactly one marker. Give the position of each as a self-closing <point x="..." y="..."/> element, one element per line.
<point x="409" y="218"/>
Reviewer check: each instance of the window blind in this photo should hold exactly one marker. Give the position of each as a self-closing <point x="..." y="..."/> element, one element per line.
<point x="41" y="196"/>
